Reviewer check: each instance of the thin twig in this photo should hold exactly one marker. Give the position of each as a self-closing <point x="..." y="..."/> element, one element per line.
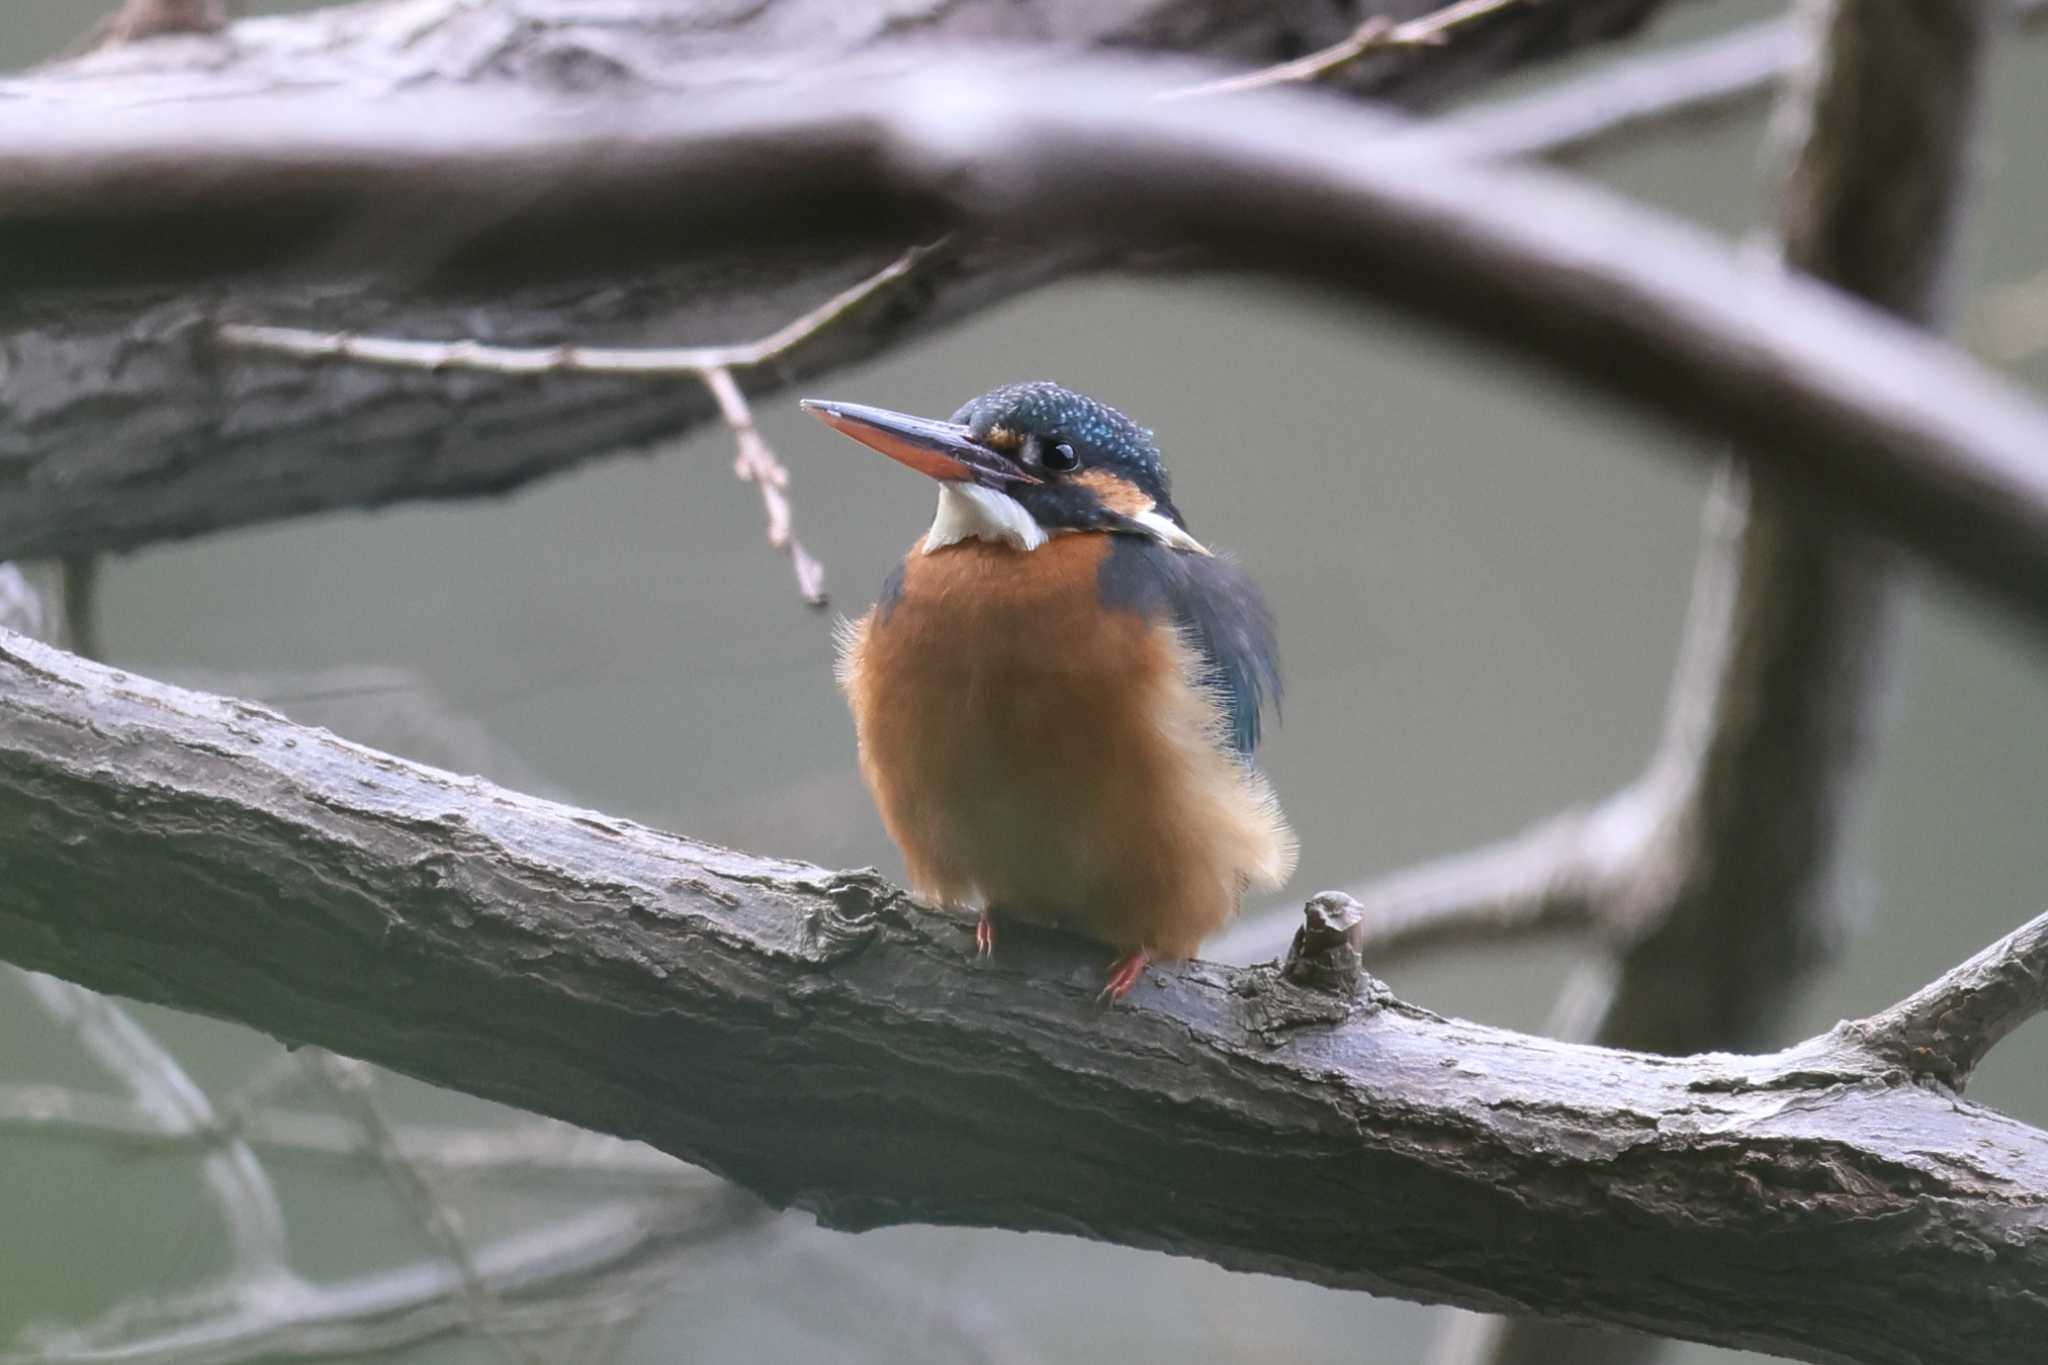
<point x="756" y="463"/>
<point x="1376" y="34"/>
<point x="713" y="365"/>
<point x="352" y="1084"/>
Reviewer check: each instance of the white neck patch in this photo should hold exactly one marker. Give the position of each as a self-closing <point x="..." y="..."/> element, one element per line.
<point x="1166" y="533"/>
<point x="968" y="511"/>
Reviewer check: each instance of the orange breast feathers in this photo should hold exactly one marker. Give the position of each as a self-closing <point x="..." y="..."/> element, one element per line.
<point x="1034" y="752"/>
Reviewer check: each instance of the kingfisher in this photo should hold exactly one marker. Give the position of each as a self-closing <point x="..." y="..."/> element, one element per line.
<point x="1058" y="694"/>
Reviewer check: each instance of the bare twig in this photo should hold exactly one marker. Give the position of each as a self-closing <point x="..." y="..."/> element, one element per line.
<point x="756" y="463"/>
<point x="1375" y="34"/>
<point x="354" y="1085"/>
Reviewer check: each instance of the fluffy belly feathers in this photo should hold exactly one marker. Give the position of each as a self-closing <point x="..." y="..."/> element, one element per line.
<point x="1032" y="751"/>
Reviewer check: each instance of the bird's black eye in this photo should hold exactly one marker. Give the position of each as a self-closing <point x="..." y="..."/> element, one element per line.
<point x="1061" y="458"/>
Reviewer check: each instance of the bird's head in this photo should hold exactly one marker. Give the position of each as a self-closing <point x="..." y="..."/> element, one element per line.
<point x="1024" y="462"/>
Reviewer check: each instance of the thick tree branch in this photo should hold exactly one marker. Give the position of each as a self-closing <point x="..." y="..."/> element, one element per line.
<point x="820" y="1040"/>
<point x="124" y="425"/>
<point x="1949" y="463"/>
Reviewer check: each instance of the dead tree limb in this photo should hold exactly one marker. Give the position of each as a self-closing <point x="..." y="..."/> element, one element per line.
<point x="1949" y="463"/>
<point x="115" y="402"/>
<point x="818" y="1039"/>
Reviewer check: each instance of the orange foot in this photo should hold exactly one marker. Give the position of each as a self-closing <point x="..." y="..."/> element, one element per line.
<point x="985" y="934"/>
<point x="1125" y="973"/>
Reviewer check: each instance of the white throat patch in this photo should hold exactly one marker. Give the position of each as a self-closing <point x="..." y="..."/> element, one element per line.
<point x="968" y="511"/>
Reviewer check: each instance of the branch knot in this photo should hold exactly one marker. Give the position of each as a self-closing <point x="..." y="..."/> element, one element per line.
<point x="1328" y="952"/>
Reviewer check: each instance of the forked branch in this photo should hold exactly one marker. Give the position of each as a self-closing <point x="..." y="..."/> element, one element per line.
<point x="756" y="462"/>
<point x="1943" y="1030"/>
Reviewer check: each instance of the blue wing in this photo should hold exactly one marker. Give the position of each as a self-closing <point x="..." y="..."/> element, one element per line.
<point x="1222" y="611"/>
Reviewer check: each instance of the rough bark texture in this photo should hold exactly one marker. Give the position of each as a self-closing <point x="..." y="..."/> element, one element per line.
<point x="123" y="425"/>
<point x="815" y="1037"/>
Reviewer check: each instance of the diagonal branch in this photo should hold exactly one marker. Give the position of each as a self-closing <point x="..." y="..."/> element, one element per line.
<point x="1558" y="876"/>
<point x="126" y="428"/>
<point x="1675" y="324"/>
<point x="160" y="1088"/>
<point x="1377" y="33"/>
<point x="1945" y="1029"/>
<point x="756" y="462"/>
<point x="142" y="434"/>
<point x="826" y="1043"/>
<point x="1738" y="898"/>
<point x="353" y="1086"/>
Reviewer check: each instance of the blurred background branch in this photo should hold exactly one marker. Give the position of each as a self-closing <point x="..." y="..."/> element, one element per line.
<point x="142" y="388"/>
<point x="1676" y="324"/>
<point x="1733" y="900"/>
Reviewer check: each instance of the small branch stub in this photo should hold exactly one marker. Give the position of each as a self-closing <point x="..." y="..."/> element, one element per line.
<point x="1328" y="951"/>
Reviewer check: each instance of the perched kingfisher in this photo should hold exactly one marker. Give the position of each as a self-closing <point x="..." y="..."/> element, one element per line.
<point x="1058" y="694"/>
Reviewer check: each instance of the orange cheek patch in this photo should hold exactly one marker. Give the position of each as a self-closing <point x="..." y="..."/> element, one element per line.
<point x="1112" y="492"/>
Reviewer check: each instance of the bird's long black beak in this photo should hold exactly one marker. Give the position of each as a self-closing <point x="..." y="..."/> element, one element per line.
<point x="944" y="450"/>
